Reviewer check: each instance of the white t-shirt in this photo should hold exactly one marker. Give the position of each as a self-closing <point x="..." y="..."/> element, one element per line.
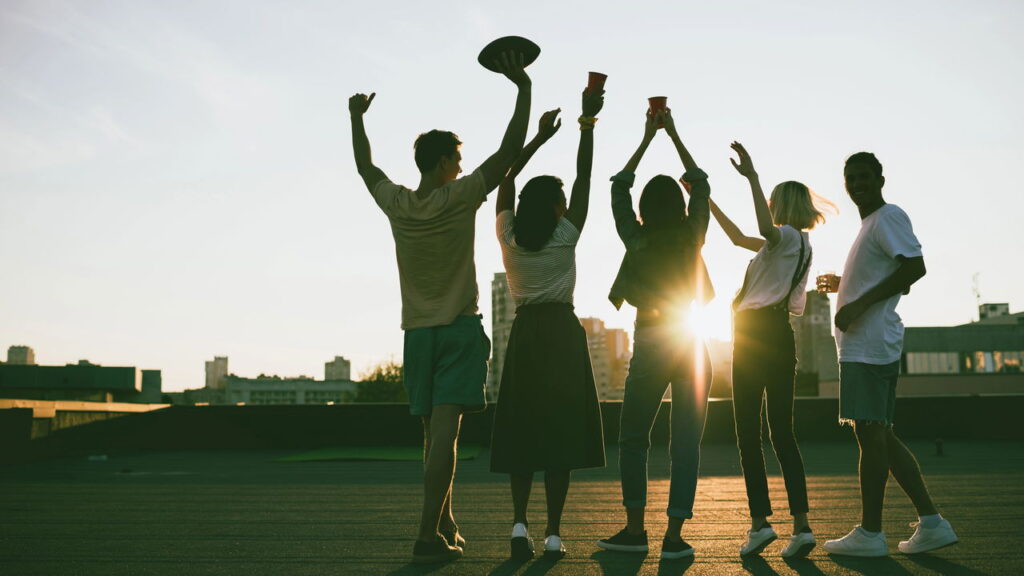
<point x="770" y="273"/>
<point x="877" y="336"/>
<point x="547" y="275"/>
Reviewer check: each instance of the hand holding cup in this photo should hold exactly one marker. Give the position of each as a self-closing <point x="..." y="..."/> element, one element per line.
<point x="827" y="283"/>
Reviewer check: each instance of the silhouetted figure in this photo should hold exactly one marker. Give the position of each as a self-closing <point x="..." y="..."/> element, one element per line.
<point x="884" y="261"/>
<point x="446" y="350"/>
<point x="661" y="275"/>
<point x="548" y="416"/>
<point x="764" y="350"/>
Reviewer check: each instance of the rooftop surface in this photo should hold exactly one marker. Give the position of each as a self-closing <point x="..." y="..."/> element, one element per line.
<point x="245" y="513"/>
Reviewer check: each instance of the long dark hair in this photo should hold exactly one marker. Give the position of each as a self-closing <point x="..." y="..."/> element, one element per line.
<point x="662" y="204"/>
<point x="535" y="218"/>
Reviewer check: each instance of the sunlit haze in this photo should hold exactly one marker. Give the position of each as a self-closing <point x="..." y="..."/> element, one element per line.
<point x="177" y="180"/>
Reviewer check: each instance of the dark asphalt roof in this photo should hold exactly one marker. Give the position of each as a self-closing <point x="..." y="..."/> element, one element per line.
<point x="242" y="513"/>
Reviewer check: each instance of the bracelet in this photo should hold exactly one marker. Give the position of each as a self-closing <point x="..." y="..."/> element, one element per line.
<point x="587" y="122"/>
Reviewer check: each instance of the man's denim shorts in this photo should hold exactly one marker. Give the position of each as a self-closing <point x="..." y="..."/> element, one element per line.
<point x="446" y="365"/>
<point x="867" y="392"/>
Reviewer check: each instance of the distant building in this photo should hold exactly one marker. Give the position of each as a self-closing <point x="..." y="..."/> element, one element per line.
<point x="275" y="390"/>
<point x="982" y="357"/>
<point x="503" y="313"/>
<point x="84" y="382"/>
<point x="216" y="370"/>
<point x="816" y="357"/>
<point x="609" y="356"/>
<point x="21" y="355"/>
<point x="338" y="369"/>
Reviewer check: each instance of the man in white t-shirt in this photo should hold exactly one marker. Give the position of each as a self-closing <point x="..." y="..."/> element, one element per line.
<point x="446" y="351"/>
<point x="884" y="261"/>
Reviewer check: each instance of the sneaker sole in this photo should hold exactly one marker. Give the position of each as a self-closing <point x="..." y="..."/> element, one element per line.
<point x="857" y="554"/>
<point x="760" y="547"/>
<point x="622" y="547"/>
<point x="677" y="555"/>
<point x="801" y="552"/>
<point x="939" y="547"/>
<point x="438" y="558"/>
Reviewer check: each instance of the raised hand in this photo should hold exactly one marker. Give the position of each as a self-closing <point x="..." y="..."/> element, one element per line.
<point x="512" y="66"/>
<point x="593" y="101"/>
<point x="358" y="104"/>
<point x="651" y="125"/>
<point x="665" y="119"/>
<point x="745" y="166"/>
<point x="549" y="124"/>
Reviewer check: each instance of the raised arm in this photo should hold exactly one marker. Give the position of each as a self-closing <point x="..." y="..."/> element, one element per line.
<point x="507" y="189"/>
<point x="358" y="104"/>
<point x="579" y="202"/>
<point x="622" y="203"/>
<point x="497" y="165"/>
<point x="911" y="270"/>
<point x="745" y="167"/>
<point x="696" y="182"/>
<point x="736" y="236"/>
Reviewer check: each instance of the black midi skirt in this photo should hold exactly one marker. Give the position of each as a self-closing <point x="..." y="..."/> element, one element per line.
<point x="548" y="416"/>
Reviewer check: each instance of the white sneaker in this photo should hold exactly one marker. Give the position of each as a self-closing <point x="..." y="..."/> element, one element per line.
<point x="927" y="539"/>
<point x="553" y="547"/>
<point x="859" y="542"/>
<point x="757" y="540"/>
<point x="800" y="545"/>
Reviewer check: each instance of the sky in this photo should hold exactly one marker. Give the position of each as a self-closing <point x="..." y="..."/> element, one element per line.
<point x="177" y="180"/>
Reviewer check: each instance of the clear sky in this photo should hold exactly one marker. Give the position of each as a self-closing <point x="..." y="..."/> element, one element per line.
<point x="177" y="182"/>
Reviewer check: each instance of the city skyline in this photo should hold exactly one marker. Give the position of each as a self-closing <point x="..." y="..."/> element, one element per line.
<point x="176" y="183"/>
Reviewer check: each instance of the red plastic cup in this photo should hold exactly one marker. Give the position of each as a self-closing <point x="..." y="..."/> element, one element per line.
<point x="596" y="81"/>
<point x="657" y="103"/>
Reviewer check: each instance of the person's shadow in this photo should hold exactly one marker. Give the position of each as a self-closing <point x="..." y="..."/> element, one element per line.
<point x="803" y="566"/>
<point x="758" y="566"/>
<point x="870" y="566"/>
<point x="619" y="563"/>
<point x="674" y="567"/>
<point x="942" y="566"/>
<point x="411" y="569"/>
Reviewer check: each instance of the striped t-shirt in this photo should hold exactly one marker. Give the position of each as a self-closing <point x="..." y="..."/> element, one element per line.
<point x="547" y="275"/>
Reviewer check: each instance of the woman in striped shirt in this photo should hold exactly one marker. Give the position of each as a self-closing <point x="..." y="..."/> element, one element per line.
<point x="548" y="417"/>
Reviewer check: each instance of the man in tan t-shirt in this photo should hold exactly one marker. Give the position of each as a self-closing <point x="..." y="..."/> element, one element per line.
<point x="446" y="350"/>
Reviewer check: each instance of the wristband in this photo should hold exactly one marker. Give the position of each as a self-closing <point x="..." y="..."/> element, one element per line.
<point x="587" y="122"/>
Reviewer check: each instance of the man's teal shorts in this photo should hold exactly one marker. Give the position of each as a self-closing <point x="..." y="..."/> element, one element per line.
<point x="446" y="365"/>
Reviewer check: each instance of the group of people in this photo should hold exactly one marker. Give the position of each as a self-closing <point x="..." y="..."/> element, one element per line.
<point x="548" y="415"/>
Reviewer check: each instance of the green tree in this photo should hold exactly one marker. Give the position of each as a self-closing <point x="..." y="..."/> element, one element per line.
<point x="383" y="383"/>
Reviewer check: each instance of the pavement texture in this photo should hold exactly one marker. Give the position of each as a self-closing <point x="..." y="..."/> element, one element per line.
<point x="245" y="513"/>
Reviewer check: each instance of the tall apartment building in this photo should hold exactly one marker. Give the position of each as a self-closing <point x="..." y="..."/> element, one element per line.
<point x="216" y="370"/>
<point x="609" y="356"/>
<point x="338" y="369"/>
<point x="816" y="357"/>
<point x="21" y="356"/>
<point x="503" y="313"/>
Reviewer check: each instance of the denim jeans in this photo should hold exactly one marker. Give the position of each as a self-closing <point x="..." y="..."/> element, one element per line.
<point x="663" y="356"/>
<point x="763" y="371"/>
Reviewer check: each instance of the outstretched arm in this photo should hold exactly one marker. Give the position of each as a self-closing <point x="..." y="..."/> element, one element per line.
<point x="357" y="107"/>
<point x="497" y="165"/>
<point x="507" y="189"/>
<point x="622" y="203"/>
<point x="745" y="167"/>
<point x="579" y="202"/>
<point x="736" y="236"/>
<point x="698" y="212"/>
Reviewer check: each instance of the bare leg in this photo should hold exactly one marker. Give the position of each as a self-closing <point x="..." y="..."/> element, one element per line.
<point x="874" y="472"/>
<point x="439" y="467"/>
<point x="447" y="525"/>
<point x="522" y="484"/>
<point x="908" y="474"/>
<point x="556" y="487"/>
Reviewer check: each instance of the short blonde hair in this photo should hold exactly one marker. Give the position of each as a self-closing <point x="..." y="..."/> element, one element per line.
<point x="798" y="206"/>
